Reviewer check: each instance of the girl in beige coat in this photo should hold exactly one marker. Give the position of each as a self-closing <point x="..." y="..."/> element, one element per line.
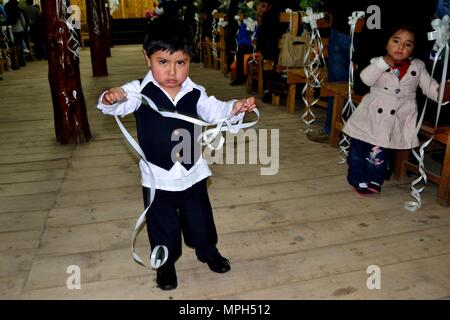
<point x="386" y="117"/>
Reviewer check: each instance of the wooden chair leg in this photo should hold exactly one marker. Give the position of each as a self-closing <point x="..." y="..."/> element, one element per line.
<point x="401" y="157"/>
<point x="290" y="103"/>
<point x="275" y="99"/>
<point x="249" y="79"/>
<point x="260" y="80"/>
<point x="443" y="197"/>
<point x="338" y="102"/>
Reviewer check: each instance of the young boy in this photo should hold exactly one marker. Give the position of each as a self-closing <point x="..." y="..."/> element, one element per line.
<point x="181" y="202"/>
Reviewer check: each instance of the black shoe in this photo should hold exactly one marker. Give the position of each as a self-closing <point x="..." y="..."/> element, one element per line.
<point x="218" y="264"/>
<point x="363" y="190"/>
<point x="374" y="187"/>
<point x="236" y="82"/>
<point x="166" y="277"/>
<point x="267" y="97"/>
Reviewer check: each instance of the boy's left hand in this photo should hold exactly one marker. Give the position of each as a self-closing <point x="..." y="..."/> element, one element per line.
<point x="244" y="105"/>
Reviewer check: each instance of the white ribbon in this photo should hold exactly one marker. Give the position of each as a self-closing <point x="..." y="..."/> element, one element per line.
<point x="73" y="36"/>
<point x="5" y="30"/>
<point x="214" y="34"/>
<point x="113" y="5"/>
<point x="441" y="36"/>
<point x="349" y="107"/>
<point x="160" y="254"/>
<point x="311" y="18"/>
<point x="222" y="22"/>
<point x="312" y="68"/>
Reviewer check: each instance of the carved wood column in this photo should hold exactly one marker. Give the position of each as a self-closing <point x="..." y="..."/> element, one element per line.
<point x="70" y="117"/>
<point x="96" y="38"/>
<point x="107" y="28"/>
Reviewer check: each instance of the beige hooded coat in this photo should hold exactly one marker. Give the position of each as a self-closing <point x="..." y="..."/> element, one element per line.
<point x="387" y="115"/>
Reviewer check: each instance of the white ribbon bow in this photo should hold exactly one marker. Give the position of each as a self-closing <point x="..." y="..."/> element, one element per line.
<point x="311" y="18"/>
<point x="355" y="16"/>
<point x="251" y="24"/>
<point x="440" y="33"/>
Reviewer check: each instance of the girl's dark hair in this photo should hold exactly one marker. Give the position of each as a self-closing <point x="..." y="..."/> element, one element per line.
<point x="419" y="42"/>
<point x="168" y="34"/>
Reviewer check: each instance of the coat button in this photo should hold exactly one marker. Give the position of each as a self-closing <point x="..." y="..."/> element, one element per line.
<point x="380" y="110"/>
<point x="413" y="73"/>
<point x="397" y="91"/>
<point x="392" y="111"/>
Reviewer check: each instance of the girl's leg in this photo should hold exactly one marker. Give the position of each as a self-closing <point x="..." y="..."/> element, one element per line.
<point x="357" y="162"/>
<point x="377" y="164"/>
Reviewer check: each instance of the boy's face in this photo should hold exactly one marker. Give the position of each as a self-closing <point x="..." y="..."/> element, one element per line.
<point x="170" y="70"/>
<point x="401" y="45"/>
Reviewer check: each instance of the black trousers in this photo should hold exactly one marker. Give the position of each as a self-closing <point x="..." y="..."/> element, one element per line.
<point x="175" y="212"/>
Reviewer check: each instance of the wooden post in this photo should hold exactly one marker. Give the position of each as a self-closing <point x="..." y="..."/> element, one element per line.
<point x="108" y="25"/>
<point x="104" y="22"/>
<point x="70" y="117"/>
<point x="96" y="38"/>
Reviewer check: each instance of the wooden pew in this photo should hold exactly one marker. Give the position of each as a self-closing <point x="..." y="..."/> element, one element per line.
<point x="297" y="75"/>
<point x="442" y="179"/>
<point x="263" y="65"/>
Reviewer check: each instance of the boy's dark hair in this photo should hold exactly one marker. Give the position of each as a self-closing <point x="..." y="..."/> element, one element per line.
<point x="168" y="34"/>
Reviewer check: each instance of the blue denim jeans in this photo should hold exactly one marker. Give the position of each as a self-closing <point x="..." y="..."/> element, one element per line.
<point x="338" y="64"/>
<point x="367" y="162"/>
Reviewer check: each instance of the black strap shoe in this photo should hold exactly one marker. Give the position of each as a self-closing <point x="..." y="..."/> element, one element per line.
<point x="166" y="277"/>
<point x="218" y="264"/>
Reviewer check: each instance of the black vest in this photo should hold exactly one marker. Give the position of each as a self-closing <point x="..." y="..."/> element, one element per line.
<point x="155" y="131"/>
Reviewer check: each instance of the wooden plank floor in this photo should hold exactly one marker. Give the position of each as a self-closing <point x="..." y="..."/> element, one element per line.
<point x="299" y="234"/>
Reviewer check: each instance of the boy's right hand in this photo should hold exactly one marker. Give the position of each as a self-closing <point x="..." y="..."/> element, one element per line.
<point x="113" y="95"/>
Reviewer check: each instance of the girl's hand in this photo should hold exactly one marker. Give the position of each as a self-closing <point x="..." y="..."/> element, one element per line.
<point x="244" y="105"/>
<point x="389" y="60"/>
<point x="113" y="95"/>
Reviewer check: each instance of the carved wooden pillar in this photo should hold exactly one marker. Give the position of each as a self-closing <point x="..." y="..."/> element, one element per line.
<point x="70" y="117"/>
<point x="107" y="28"/>
<point x="96" y="38"/>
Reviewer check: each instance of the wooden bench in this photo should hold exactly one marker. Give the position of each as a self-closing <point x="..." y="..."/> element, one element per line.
<point x="441" y="136"/>
<point x="297" y="75"/>
<point x="339" y="90"/>
<point x="84" y="35"/>
<point x="263" y="65"/>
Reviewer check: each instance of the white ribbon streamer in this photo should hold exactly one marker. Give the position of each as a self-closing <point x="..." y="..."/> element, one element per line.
<point x="349" y="107"/>
<point x="5" y="30"/>
<point x="160" y="254"/>
<point x="214" y="34"/>
<point x="73" y="36"/>
<point x="313" y="74"/>
<point x="441" y="36"/>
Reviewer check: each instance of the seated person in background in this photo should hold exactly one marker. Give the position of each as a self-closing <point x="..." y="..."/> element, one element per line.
<point x="245" y="43"/>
